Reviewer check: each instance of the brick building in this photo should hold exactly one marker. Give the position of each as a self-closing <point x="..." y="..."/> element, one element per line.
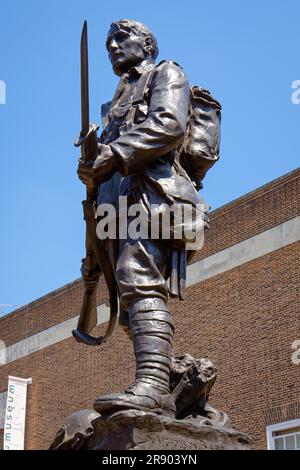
<point x="242" y="312"/>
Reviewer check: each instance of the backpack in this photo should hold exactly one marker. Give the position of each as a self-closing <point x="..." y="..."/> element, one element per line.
<point x="201" y="145"/>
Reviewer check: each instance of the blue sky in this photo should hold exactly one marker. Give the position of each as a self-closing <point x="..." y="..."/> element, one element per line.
<point x="245" y="52"/>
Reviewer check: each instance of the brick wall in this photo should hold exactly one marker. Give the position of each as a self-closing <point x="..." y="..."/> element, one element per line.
<point x="244" y="319"/>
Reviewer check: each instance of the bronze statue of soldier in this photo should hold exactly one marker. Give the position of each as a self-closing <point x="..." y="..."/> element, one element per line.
<point x="143" y="127"/>
<point x="159" y="139"/>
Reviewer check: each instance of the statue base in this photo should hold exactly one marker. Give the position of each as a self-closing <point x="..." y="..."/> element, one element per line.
<point x="198" y="426"/>
<point x="138" y="430"/>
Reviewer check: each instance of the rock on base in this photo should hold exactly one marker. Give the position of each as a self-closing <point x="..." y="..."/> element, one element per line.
<point x="138" y="430"/>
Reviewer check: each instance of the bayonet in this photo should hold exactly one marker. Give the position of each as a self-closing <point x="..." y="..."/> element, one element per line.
<point x="87" y="139"/>
<point x="84" y="70"/>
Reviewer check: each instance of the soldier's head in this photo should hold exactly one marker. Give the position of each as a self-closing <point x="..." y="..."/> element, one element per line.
<point x="129" y="43"/>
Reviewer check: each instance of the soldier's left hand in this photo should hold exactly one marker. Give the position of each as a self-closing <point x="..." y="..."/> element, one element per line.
<point x="100" y="170"/>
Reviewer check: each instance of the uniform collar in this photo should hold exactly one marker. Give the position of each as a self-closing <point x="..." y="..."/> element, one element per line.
<point x="147" y="64"/>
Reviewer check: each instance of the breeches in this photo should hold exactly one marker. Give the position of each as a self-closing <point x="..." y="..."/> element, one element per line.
<point x="141" y="269"/>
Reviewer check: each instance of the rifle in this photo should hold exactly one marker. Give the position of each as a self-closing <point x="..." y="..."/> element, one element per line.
<point x="96" y="259"/>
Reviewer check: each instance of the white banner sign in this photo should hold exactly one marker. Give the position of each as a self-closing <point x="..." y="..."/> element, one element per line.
<point x="3" y="400"/>
<point x="14" y="427"/>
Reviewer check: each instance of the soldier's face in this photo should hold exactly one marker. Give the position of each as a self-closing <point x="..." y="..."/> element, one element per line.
<point x="125" y="50"/>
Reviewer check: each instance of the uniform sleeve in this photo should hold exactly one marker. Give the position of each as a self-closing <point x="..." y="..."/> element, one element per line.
<point x="165" y="125"/>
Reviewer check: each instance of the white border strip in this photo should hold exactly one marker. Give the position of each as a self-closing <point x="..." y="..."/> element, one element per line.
<point x="50" y="336"/>
<point x="247" y="250"/>
<point x="218" y="263"/>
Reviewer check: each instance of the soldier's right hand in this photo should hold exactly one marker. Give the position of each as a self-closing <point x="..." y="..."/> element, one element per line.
<point x="93" y="173"/>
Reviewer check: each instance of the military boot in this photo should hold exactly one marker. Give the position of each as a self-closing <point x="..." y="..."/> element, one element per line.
<point x="152" y="334"/>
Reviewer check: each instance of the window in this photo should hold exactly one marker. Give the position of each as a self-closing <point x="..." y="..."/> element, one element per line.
<point x="284" y="436"/>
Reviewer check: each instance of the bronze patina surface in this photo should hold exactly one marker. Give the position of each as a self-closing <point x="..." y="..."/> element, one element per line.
<point x="159" y="138"/>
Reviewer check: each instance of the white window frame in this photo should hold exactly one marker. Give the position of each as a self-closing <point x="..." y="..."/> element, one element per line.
<point x="283" y="426"/>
